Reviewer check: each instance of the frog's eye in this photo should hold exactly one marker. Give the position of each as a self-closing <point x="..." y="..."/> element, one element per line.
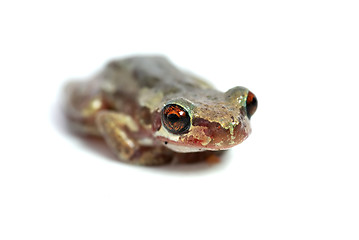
<point x="175" y="119"/>
<point x="251" y="104"/>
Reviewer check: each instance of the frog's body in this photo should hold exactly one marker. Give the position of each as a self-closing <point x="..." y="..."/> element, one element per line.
<point x="149" y="112"/>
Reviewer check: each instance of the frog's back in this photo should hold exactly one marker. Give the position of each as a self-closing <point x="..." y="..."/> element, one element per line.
<point x="131" y="75"/>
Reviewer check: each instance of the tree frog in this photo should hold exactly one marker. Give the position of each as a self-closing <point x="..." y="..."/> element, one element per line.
<point x="149" y="112"/>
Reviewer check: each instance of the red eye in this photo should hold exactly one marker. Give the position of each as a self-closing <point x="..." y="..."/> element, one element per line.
<point x="251" y="104"/>
<point x="175" y="119"/>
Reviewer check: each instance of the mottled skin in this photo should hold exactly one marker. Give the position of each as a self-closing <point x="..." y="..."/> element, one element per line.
<point x="123" y="104"/>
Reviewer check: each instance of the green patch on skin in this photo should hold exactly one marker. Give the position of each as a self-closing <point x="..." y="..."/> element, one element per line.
<point x="231" y="128"/>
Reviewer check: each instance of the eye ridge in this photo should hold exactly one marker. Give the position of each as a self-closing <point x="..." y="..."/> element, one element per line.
<point x="175" y="119"/>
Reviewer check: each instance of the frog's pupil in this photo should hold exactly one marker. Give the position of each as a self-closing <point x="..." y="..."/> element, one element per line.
<point x="173" y="117"/>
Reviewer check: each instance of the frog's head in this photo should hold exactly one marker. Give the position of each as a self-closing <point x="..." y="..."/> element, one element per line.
<point x="209" y="120"/>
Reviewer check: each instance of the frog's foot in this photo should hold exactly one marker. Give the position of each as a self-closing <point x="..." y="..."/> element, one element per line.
<point x="82" y="102"/>
<point x="123" y="135"/>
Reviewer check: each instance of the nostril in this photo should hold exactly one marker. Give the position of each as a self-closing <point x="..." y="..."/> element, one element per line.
<point x="251" y="104"/>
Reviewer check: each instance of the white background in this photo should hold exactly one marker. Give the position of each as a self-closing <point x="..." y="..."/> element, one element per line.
<point x="296" y="177"/>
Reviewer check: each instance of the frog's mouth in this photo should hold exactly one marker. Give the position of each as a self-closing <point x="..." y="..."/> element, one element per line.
<point x="174" y="146"/>
<point x="187" y="143"/>
<point x="184" y="147"/>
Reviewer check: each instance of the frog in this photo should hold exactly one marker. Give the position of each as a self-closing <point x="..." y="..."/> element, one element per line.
<point x="150" y="112"/>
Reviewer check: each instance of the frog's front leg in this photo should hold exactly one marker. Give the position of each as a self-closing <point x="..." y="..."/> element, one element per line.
<point x="123" y="136"/>
<point x="83" y="101"/>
